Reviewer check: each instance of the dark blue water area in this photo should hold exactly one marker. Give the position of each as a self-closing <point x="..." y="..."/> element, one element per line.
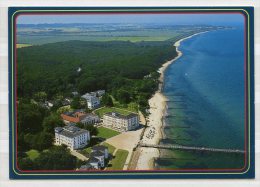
<point x="205" y="89"/>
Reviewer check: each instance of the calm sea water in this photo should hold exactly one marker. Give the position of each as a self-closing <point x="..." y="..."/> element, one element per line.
<point x="205" y="88"/>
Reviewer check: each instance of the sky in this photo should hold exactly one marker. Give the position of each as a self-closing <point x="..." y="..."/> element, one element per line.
<point x="180" y="19"/>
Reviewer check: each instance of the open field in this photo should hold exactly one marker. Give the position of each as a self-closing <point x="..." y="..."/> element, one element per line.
<point x="100" y="112"/>
<point x="33" y="154"/>
<point x="39" y="40"/>
<point x="22" y="45"/>
<point x="51" y="33"/>
<point x="101" y="32"/>
<point x="106" y="133"/>
<point x="118" y="162"/>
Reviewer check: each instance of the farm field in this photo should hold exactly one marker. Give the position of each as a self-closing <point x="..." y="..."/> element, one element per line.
<point x="50" y="33"/>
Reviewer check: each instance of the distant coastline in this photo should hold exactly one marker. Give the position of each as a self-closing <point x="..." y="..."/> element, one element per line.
<point x="154" y="133"/>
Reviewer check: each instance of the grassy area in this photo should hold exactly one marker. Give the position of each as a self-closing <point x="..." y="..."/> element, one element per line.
<point x="111" y="148"/>
<point x="118" y="162"/>
<point x="133" y="107"/>
<point x="86" y="151"/>
<point x="106" y="133"/>
<point x="22" y="45"/>
<point x="133" y="36"/>
<point x="101" y="111"/>
<point x="33" y="154"/>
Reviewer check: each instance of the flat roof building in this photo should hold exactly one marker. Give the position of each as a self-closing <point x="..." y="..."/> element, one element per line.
<point x="71" y="136"/>
<point x="121" y="122"/>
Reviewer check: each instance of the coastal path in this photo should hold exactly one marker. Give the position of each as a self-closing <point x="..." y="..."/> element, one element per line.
<point x="174" y="146"/>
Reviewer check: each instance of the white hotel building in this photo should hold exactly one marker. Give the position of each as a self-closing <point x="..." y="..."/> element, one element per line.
<point x="71" y="136"/>
<point x="121" y="122"/>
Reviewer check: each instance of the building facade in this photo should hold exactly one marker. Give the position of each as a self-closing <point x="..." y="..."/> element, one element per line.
<point x="121" y="122"/>
<point x="71" y="136"/>
<point x="73" y="117"/>
<point x="90" y="119"/>
<point x="92" y="101"/>
<point x="80" y="116"/>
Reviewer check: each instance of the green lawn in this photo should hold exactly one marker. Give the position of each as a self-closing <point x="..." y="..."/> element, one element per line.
<point x="111" y="148"/>
<point x="33" y="154"/>
<point x="118" y="162"/>
<point x="106" y="133"/>
<point x="85" y="151"/>
<point x="131" y="107"/>
<point x="88" y="149"/>
<point x="101" y="111"/>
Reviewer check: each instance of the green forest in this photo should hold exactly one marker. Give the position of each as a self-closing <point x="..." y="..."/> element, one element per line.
<point x="126" y="70"/>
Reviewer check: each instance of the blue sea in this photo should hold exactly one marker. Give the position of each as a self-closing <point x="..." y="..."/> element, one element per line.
<point x="205" y="89"/>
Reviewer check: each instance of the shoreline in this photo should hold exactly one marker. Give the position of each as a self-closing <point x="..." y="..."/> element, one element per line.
<point x="158" y="106"/>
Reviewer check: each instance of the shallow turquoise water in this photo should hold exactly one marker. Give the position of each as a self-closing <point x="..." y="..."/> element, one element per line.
<point x="205" y="88"/>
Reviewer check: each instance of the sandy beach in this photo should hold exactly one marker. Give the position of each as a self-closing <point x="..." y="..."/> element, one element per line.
<point x="153" y="132"/>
